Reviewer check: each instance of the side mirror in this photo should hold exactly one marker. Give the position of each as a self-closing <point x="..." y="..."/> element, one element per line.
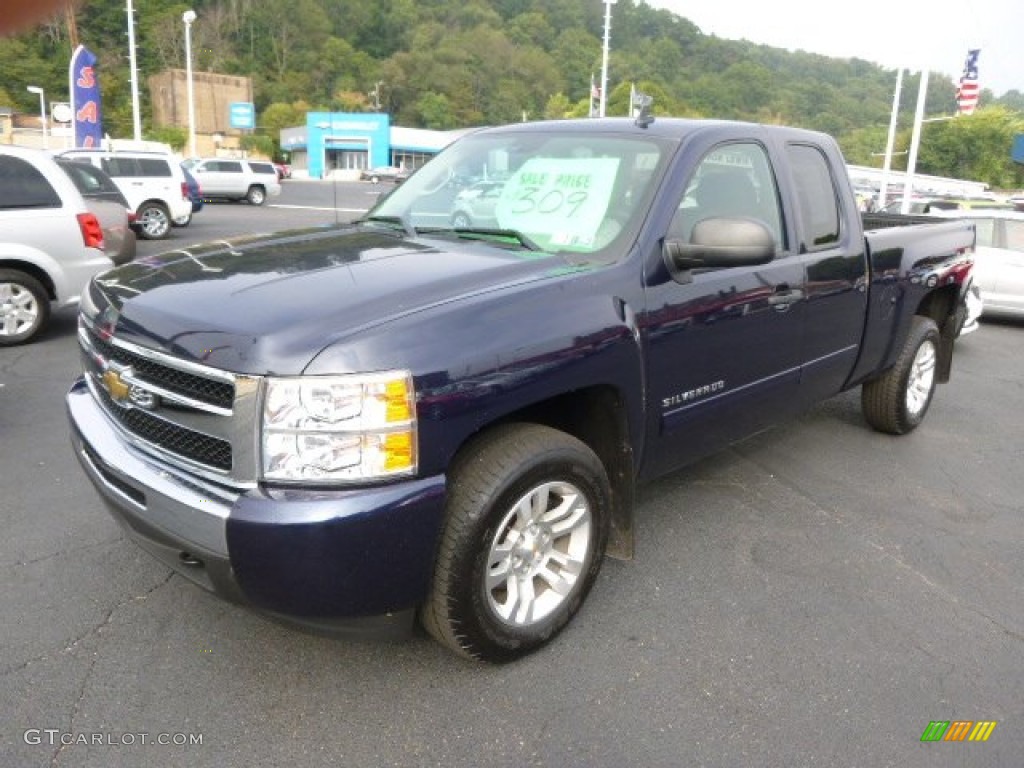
<point x="721" y="241"/>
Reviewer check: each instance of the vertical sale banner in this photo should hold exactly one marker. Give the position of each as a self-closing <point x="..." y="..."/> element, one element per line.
<point x="84" y="87"/>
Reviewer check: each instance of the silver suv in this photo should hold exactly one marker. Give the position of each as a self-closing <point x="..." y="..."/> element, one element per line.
<point x="51" y="245"/>
<point x="235" y="179"/>
<point x="152" y="182"/>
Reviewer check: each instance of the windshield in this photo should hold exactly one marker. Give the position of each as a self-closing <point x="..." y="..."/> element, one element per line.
<point x="556" y="190"/>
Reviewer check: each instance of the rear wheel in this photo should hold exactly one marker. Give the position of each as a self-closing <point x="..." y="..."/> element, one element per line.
<point x="256" y="195"/>
<point x="526" y="527"/>
<point x="24" y="307"/>
<point x="154" y="221"/>
<point x="897" y="401"/>
<point x="461" y="220"/>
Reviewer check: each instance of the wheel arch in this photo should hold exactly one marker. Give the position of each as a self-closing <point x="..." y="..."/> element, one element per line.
<point x="34" y="271"/>
<point x="154" y="201"/>
<point x="596" y="416"/>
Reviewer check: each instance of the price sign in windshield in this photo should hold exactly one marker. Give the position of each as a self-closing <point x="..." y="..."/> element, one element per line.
<point x="562" y="201"/>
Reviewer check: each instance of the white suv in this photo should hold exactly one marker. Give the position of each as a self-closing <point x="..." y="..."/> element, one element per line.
<point x="152" y="182"/>
<point x="233" y="179"/>
<point x="51" y="245"/>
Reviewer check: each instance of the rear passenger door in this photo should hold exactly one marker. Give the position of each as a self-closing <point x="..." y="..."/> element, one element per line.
<point x="223" y="178"/>
<point x="127" y="174"/>
<point x="833" y="257"/>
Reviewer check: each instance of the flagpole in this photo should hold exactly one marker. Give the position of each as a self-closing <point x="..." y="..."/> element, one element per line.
<point x="915" y="142"/>
<point x="883" y="188"/>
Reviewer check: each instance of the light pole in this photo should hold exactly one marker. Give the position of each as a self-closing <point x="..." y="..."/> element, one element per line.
<point x="136" y="120"/>
<point x="188" y="17"/>
<point x="42" y="111"/>
<point x="604" y="57"/>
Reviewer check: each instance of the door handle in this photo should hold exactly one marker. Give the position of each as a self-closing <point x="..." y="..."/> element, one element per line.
<point x="784" y="296"/>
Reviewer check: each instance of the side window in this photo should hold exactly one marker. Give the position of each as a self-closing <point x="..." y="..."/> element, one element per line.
<point x="266" y="168"/>
<point x="154" y="167"/>
<point x="230" y="166"/>
<point x="731" y="180"/>
<point x="23" y="186"/>
<point x="819" y="206"/>
<point x="120" y="166"/>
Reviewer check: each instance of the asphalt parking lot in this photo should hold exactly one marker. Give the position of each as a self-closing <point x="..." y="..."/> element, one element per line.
<point x="815" y="596"/>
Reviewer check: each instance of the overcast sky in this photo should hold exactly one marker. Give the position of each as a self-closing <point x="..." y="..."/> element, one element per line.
<point x="893" y="33"/>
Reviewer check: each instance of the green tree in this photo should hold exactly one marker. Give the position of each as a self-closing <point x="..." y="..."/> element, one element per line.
<point x="171" y="135"/>
<point x="974" y="147"/>
<point x="435" y="111"/>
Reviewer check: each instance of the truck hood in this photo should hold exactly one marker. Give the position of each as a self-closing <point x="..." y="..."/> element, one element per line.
<point x="270" y="305"/>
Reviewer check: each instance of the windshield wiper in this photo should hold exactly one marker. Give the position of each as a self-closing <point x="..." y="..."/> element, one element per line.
<point x="483" y="233"/>
<point x="402" y="221"/>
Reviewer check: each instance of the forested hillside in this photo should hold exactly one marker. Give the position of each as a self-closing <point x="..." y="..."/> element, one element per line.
<point x="444" y="64"/>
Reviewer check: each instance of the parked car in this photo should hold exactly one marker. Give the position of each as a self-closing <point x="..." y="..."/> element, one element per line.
<point x="51" y="244"/>
<point x="361" y="425"/>
<point x="236" y="179"/>
<point x="152" y="182"/>
<point x="195" y="194"/>
<point x="999" y="260"/>
<point x="935" y="205"/>
<point x="104" y="199"/>
<point x="474" y="206"/>
<point x="284" y="171"/>
<point x="384" y="173"/>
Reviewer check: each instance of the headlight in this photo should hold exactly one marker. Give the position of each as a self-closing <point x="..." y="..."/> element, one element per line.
<point x="339" y="428"/>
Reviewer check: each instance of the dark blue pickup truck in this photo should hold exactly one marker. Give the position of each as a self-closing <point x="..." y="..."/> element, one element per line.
<point x="415" y="415"/>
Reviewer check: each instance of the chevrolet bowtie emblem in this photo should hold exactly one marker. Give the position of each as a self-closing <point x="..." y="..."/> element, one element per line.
<point x="115" y="385"/>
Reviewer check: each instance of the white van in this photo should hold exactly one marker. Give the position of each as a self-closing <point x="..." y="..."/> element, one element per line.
<point x="152" y="182"/>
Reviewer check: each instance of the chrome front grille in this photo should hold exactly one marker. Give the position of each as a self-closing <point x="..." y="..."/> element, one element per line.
<point x="213" y="391"/>
<point x="186" y="443"/>
<point x="199" y="418"/>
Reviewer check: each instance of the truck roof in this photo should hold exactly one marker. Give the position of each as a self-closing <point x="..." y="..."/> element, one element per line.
<point x="667" y="127"/>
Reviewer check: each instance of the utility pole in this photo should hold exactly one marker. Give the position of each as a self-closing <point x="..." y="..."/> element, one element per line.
<point x="71" y="24"/>
<point x="375" y="94"/>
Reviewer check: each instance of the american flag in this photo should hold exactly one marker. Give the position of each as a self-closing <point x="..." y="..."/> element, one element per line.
<point x="967" y="91"/>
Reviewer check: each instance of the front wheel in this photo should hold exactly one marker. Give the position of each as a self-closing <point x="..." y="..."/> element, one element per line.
<point x="897" y="401"/>
<point x="525" y="532"/>
<point x="24" y="307"/>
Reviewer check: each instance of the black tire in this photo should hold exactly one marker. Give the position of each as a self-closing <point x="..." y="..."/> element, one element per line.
<point x="184" y="221"/>
<point x="499" y="554"/>
<point x="24" y="307"/>
<point x="154" y="221"/>
<point x="461" y="220"/>
<point x="256" y="195"/>
<point x="897" y="401"/>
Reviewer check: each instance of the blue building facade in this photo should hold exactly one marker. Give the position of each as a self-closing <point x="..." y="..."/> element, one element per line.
<point x="344" y="143"/>
<point x="347" y="141"/>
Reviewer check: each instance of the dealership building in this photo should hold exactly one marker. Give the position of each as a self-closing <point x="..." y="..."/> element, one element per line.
<point x="344" y="143"/>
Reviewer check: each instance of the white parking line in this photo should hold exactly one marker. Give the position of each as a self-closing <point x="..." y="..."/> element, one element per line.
<point x="317" y="208"/>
